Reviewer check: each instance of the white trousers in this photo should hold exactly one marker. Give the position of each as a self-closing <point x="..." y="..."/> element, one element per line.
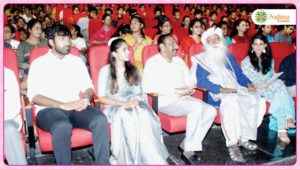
<point x="200" y="117"/>
<point x="241" y="114"/>
<point x="13" y="145"/>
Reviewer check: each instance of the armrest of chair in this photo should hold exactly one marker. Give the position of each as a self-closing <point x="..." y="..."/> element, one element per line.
<point x="205" y="92"/>
<point x="31" y="139"/>
<point x="154" y="97"/>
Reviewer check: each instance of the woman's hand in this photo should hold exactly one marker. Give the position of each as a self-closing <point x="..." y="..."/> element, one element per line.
<point x="130" y="103"/>
<point x="262" y="85"/>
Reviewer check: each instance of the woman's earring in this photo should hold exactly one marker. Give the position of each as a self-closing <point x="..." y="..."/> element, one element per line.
<point x="252" y="51"/>
<point x="264" y="51"/>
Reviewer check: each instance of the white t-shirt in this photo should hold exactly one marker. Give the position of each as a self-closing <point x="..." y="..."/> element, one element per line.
<point x="14" y="44"/>
<point x="79" y="43"/>
<point x="58" y="79"/>
<point x="27" y="19"/>
<point x="162" y="77"/>
<point x="83" y="23"/>
<point x="12" y="103"/>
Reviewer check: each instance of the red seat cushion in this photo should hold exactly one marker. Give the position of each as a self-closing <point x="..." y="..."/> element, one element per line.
<point x="79" y="138"/>
<point x="172" y="124"/>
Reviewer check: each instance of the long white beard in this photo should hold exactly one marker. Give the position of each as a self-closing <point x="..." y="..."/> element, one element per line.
<point x="216" y="55"/>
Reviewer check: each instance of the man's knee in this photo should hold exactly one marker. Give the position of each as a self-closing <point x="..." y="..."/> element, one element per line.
<point x="99" y="121"/>
<point x="63" y="127"/>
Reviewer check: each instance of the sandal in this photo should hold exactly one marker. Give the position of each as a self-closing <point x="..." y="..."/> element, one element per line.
<point x="282" y="135"/>
<point x="290" y="124"/>
<point x="249" y="145"/>
<point x="235" y="153"/>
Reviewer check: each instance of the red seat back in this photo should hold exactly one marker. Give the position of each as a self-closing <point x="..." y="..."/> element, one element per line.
<point x="239" y="51"/>
<point x="11" y="61"/>
<point x="279" y="51"/>
<point x="94" y="26"/>
<point x="195" y="49"/>
<point x="150" y="32"/>
<point x="40" y="51"/>
<point x="148" y="52"/>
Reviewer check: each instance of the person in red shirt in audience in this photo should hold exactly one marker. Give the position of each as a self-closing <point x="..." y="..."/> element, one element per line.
<point x="107" y="30"/>
<point x="238" y="32"/>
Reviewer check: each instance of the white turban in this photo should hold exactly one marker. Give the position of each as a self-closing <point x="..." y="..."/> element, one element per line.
<point x="209" y="32"/>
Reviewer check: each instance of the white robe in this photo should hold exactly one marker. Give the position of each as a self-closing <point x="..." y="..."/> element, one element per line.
<point x="241" y="112"/>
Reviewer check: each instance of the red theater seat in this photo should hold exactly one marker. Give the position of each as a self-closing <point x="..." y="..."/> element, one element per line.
<point x="239" y="51"/>
<point x="280" y="50"/>
<point x="171" y="124"/>
<point x="11" y="62"/>
<point x="195" y="49"/>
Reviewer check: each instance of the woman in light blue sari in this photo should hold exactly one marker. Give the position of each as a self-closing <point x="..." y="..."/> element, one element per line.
<point x="258" y="66"/>
<point x="136" y="135"/>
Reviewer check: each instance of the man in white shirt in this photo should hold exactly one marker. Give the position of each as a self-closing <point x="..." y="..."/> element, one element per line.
<point x="168" y="75"/>
<point x="55" y="81"/>
<point x="13" y="145"/>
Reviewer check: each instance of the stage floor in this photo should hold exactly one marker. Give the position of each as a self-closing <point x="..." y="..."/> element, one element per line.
<point x="270" y="151"/>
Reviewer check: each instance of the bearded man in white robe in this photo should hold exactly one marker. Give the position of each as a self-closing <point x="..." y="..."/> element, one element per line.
<point x="241" y="109"/>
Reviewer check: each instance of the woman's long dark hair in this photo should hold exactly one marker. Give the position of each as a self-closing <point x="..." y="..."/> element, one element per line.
<point x="131" y="73"/>
<point x="161" y="19"/>
<point x="266" y="58"/>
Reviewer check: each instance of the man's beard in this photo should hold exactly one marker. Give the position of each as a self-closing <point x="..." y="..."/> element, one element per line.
<point x="216" y="54"/>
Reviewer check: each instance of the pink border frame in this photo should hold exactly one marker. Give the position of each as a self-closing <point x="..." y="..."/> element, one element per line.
<point x="231" y="2"/>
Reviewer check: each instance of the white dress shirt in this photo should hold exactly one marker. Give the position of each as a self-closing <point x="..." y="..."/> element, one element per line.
<point x="162" y="77"/>
<point x="58" y="79"/>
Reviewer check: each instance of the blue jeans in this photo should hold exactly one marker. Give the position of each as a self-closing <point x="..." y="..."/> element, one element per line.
<point x="60" y="123"/>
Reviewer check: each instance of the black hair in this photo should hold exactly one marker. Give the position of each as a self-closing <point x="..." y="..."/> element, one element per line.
<point x="161" y="40"/>
<point x="182" y="24"/>
<point x="12" y="29"/>
<point x="57" y="30"/>
<point x="105" y="15"/>
<point x="192" y="23"/>
<point x="174" y="11"/>
<point x="266" y="57"/>
<point x="131" y="73"/>
<point x="122" y="29"/>
<point x="32" y="23"/>
<point x="108" y="10"/>
<point x="92" y="9"/>
<point x="212" y="13"/>
<point x="78" y="30"/>
<point x="198" y="11"/>
<point x="221" y="23"/>
<point x="75" y="6"/>
<point x="234" y="29"/>
<point x="161" y="19"/>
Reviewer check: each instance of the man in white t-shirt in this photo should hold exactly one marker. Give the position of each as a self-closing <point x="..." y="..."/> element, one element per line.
<point x="55" y="81"/>
<point x="168" y="75"/>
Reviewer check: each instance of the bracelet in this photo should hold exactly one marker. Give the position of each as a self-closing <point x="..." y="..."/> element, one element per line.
<point x="87" y="97"/>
